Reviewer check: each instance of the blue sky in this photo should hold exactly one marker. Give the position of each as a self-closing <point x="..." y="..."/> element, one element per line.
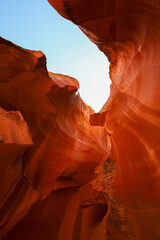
<point x="34" y="24"/>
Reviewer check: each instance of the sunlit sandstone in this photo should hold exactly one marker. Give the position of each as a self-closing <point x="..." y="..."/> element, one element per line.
<point x="49" y="151"/>
<point x="73" y="174"/>
<point x="128" y="32"/>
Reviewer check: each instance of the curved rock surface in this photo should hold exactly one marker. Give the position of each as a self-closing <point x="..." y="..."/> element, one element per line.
<point x="48" y="151"/>
<point x="62" y="178"/>
<point x="128" y="33"/>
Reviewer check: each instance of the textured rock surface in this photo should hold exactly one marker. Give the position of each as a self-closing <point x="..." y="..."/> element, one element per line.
<point x="62" y="178"/>
<point x="48" y="151"/>
<point x="128" y="33"/>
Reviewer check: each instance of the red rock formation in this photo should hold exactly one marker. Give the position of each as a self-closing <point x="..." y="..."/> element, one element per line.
<point x="48" y="151"/>
<point x="128" y="32"/>
<point x="16" y="195"/>
<point x="49" y="189"/>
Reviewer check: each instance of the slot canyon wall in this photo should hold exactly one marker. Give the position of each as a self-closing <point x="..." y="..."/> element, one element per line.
<point x="68" y="173"/>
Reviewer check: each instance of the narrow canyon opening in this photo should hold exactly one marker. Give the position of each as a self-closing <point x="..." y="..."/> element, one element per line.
<point x="67" y="49"/>
<point x="67" y="173"/>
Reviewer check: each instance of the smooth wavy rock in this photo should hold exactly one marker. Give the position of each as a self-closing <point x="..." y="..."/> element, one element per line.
<point x="48" y="151"/>
<point x="128" y="32"/>
<point x="16" y="195"/>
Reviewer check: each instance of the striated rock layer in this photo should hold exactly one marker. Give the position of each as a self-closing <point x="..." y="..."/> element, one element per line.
<point x="68" y="173"/>
<point x="128" y="32"/>
<point x="48" y="152"/>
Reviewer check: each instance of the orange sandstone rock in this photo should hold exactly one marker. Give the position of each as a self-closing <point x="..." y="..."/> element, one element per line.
<point x="16" y="195"/>
<point x="65" y="178"/>
<point x="128" y="33"/>
<point x="49" y="150"/>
